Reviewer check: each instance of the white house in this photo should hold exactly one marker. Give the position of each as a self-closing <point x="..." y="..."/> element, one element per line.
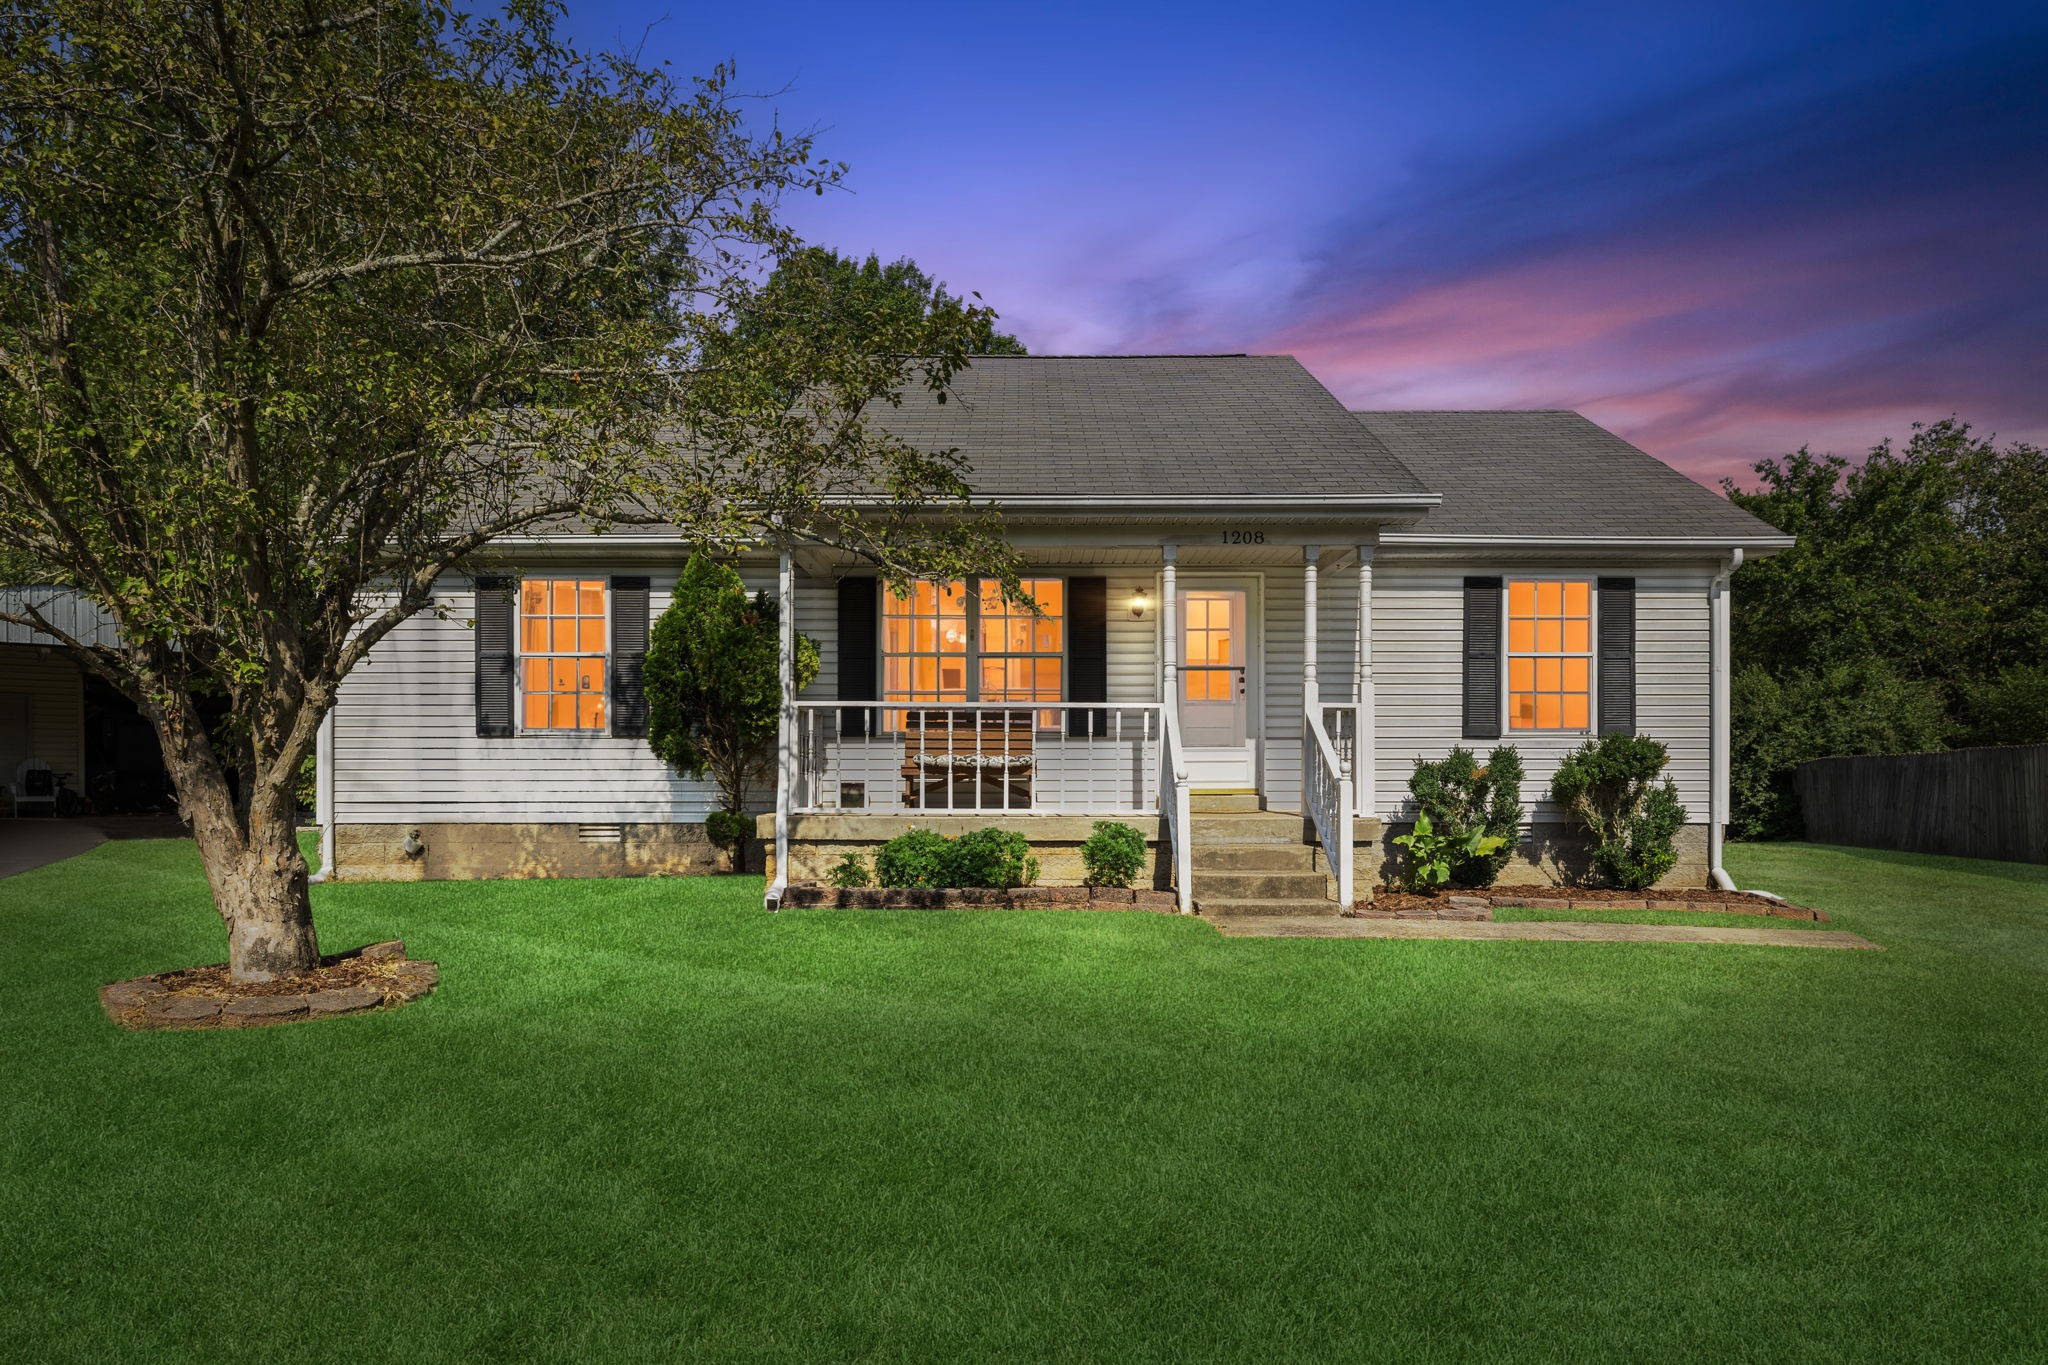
<point x="1259" y="610"/>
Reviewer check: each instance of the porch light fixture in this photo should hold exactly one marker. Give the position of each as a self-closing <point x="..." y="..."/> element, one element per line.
<point x="1141" y="602"/>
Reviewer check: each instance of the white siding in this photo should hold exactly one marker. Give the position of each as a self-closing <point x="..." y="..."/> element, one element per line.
<point x="406" y="748"/>
<point x="1417" y="672"/>
<point x="48" y="687"/>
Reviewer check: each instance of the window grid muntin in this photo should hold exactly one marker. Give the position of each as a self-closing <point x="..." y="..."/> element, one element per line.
<point x="564" y="654"/>
<point x="1559" y="656"/>
<point x="922" y="619"/>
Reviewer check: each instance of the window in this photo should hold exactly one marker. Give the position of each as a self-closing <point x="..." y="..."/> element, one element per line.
<point x="562" y="654"/>
<point x="1550" y="654"/>
<point x="941" y="643"/>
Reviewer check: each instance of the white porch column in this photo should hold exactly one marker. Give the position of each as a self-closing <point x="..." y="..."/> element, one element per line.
<point x="785" y="724"/>
<point x="1169" y="621"/>
<point x="1363" y="748"/>
<point x="1311" y="686"/>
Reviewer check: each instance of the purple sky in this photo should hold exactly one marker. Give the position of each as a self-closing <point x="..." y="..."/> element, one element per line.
<point x="1723" y="231"/>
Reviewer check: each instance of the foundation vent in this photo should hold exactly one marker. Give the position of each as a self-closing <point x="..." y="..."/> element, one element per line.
<point x="601" y="834"/>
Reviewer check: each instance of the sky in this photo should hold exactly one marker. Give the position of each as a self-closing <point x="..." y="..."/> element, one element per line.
<point x="1723" y="231"/>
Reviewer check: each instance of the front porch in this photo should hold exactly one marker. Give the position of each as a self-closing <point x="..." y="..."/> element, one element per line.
<point x="1179" y="670"/>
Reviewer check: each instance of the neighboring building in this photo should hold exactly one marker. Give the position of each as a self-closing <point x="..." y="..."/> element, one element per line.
<point x="53" y="713"/>
<point x="1324" y="596"/>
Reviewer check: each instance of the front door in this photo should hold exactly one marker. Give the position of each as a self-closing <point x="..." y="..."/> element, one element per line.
<point x="1214" y="687"/>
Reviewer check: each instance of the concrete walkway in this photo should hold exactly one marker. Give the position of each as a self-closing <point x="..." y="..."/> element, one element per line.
<point x="1331" y="926"/>
<point x="38" y="840"/>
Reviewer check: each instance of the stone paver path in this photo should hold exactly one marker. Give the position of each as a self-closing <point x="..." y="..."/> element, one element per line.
<point x="1288" y="926"/>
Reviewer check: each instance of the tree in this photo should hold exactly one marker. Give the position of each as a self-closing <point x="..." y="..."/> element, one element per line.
<point x="1912" y="613"/>
<point x="820" y="290"/>
<point x="713" y="683"/>
<point x="301" y="306"/>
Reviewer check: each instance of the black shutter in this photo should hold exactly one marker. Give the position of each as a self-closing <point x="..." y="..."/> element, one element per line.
<point x="1617" y="665"/>
<point x="629" y="657"/>
<point x="860" y="610"/>
<point x="1087" y="653"/>
<point x="494" y="625"/>
<point x="1482" y="658"/>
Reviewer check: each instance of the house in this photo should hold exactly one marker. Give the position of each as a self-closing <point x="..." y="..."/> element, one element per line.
<point x="1259" y="610"/>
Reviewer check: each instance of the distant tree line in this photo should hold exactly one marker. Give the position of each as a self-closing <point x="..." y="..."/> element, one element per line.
<point x="1911" y="616"/>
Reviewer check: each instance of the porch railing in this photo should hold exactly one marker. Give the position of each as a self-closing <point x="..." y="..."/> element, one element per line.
<point x="1177" y="806"/>
<point x="1330" y="800"/>
<point x="1340" y="720"/>
<point x="1092" y="758"/>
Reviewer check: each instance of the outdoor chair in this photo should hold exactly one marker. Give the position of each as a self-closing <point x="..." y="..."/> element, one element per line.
<point x="34" y="785"/>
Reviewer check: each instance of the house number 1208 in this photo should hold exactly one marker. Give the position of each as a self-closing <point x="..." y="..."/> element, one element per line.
<point x="1244" y="537"/>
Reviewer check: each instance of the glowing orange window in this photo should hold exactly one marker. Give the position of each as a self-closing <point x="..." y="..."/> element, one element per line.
<point x="562" y="653"/>
<point x="1550" y="654"/>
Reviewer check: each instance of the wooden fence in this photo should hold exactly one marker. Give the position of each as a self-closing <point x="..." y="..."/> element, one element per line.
<point x="1971" y="803"/>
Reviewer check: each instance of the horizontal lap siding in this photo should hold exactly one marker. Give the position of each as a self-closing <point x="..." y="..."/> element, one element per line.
<point x="1417" y="642"/>
<point x="56" y="719"/>
<point x="406" y="747"/>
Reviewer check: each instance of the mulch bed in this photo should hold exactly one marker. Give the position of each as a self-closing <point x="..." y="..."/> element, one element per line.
<point x="1479" y="905"/>
<point x="378" y="976"/>
<point x="810" y="895"/>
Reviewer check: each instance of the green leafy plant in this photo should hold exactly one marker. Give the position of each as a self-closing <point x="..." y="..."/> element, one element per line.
<point x="850" y="871"/>
<point x="1459" y="797"/>
<point x="1433" y="853"/>
<point x="730" y="830"/>
<point x="713" y="688"/>
<point x="1610" y="787"/>
<point x="1114" y="854"/>
<point x="998" y="858"/>
<point x="918" y="857"/>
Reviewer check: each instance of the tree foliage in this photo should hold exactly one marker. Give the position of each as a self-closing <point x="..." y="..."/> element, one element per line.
<point x="818" y="290"/>
<point x="713" y="682"/>
<point x="1912" y="614"/>
<point x="301" y="305"/>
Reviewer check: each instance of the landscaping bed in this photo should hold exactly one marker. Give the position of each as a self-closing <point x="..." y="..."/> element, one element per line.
<point x="378" y="976"/>
<point x="1387" y="903"/>
<point x="814" y="895"/>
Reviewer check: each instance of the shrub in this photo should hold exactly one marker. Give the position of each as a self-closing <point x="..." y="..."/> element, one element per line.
<point x="1434" y="853"/>
<point x="1462" y="798"/>
<point x="997" y="858"/>
<point x="730" y="830"/>
<point x="850" y="871"/>
<point x="918" y="857"/>
<point x="1609" y="785"/>
<point x="1113" y="855"/>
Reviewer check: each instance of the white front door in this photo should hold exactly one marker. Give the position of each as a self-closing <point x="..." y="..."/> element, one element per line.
<point x="1215" y="685"/>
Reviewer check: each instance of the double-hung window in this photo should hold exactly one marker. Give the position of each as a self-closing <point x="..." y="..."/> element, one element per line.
<point x="1550" y="654"/>
<point x="562" y="654"/>
<point x="956" y="642"/>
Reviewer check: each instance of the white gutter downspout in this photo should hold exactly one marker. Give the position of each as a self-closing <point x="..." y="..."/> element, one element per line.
<point x="785" y="724"/>
<point x="1720" y="626"/>
<point x="323" y="796"/>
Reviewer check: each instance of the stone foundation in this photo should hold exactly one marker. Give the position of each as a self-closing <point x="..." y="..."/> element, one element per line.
<point x="463" y="852"/>
<point x="1549" y="855"/>
<point x="818" y="841"/>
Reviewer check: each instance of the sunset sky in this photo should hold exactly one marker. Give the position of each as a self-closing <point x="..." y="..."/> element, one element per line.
<point x="1723" y="231"/>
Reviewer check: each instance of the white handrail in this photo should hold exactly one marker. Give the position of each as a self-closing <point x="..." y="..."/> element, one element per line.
<point x="1330" y="801"/>
<point x="1179" y="808"/>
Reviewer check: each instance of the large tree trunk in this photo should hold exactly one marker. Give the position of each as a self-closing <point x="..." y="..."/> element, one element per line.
<point x="252" y="861"/>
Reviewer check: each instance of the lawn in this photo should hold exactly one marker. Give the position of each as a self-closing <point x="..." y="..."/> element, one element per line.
<point x="644" y="1119"/>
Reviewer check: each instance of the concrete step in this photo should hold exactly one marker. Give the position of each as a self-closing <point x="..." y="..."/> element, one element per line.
<point x="1266" y="827"/>
<point x="1261" y="886"/>
<point x="1253" y="857"/>
<point x="1305" y="909"/>
<point x="1225" y="803"/>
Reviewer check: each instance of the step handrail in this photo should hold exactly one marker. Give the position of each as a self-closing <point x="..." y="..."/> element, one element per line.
<point x="1177" y="805"/>
<point x="1329" y="800"/>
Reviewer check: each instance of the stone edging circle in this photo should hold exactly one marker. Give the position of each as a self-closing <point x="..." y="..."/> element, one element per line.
<point x="380" y="977"/>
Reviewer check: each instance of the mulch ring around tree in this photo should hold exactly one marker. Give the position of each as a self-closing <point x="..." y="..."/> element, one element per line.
<point x="379" y="976"/>
<point x="1454" y="904"/>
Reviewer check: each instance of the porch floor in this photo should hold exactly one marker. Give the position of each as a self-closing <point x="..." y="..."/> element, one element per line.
<point x="1331" y="926"/>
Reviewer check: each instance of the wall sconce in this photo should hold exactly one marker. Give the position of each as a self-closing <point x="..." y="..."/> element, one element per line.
<point x="1141" y="602"/>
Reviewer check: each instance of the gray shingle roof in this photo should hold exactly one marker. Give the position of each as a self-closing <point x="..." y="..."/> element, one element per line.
<point x="1550" y="473"/>
<point x="1079" y="427"/>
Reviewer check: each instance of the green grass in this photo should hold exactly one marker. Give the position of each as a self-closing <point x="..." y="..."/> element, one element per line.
<point x="642" y="1119"/>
